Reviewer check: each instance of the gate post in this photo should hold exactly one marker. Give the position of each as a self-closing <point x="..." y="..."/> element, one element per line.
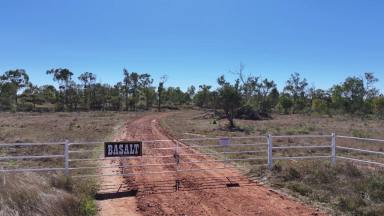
<point x="333" y="146"/>
<point x="66" y="157"/>
<point x="270" y="159"/>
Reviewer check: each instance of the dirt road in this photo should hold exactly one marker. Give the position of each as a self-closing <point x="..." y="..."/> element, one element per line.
<point x="202" y="193"/>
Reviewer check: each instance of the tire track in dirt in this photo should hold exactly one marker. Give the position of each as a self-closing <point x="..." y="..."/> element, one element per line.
<point x="204" y="193"/>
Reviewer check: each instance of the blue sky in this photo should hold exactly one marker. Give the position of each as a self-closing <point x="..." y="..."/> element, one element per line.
<point x="194" y="41"/>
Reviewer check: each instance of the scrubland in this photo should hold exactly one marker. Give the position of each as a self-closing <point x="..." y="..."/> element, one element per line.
<point x="51" y="194"/>
<point x="345" y="188"/>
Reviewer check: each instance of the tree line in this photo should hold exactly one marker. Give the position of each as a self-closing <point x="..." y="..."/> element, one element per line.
<point x="247" y="97"/>
<point x="135" y="92"/>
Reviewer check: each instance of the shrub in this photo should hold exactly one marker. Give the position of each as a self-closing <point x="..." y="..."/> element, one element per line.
<point x="375" y="188"/>
<point x="25" y="107"/>
<point x="277" y="168"/>
<point x="360" y="133"/>
<point x="300" y="188"/>
<point x="319" y="106"/>
<point x="378" y="107"/>
<point x="349" y="203"/>
<point x="87" y="206"/>
<point x="285" y="104"/>
<point x="292" y="174"/>
<point x="248" y="112"/>
<point x="350" y="170"/>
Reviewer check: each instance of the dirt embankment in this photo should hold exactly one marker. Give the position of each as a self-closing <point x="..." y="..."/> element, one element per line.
<point x="201" y="193"/>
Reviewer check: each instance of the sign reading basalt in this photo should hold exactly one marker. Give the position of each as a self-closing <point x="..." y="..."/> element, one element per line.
<point x="123" y="149"/>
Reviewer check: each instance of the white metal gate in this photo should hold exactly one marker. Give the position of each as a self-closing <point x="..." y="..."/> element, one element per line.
<point x="178" y="158"/>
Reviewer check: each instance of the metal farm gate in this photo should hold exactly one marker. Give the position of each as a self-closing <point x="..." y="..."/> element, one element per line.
<point x="170" y="164"/>
<point x="180" y="164"/>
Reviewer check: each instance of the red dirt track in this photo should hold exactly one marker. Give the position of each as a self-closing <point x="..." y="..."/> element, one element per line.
<point x="201" y="193"/>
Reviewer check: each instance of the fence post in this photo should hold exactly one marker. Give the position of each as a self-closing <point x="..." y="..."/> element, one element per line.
<point x="4" y="180"/>
<point x="177" y="156"/>
<point x="270" y="159"/>
<point x="66" y="157"/>
<point x="333" y="146"/>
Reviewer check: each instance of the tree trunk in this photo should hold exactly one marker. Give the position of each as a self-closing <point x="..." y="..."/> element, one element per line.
<point x="230" y="119"/>
<point x="16" y="101"/>
<point x="126" y="101"/>
<point x="231" y="123"/>
<point x="159" y="104"/>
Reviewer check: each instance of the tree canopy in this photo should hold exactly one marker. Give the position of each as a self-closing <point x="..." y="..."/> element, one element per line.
<point x="247" y="96"/>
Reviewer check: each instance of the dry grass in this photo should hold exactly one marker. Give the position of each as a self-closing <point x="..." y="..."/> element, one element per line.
<point x="31" y="194"/>
<point x="52" y="127"/>
<point x="344" y="188"/>
<point x="193" y="122"/>
<point x="186" y="123"/>
<point x="53" y="194"/>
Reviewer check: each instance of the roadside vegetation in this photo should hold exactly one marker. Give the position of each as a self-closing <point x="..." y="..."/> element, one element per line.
<point x="51" y="194"/>
<point x="345" y="188"/>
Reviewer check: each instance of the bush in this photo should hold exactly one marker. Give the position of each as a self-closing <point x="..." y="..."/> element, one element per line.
<point x="248" y="112"/>
<point x="345" y="187"/>
<point x="377" y="210"/>
<point x="87" y="206"/>
<point x="324" y="175"/>
<point x="378" y="107"/>
<point x="319" y="106"/>
<point x="350" y="171"/>
<point x="285" y="104"/>
<point x="375" y="188"/>
<point x="292" y="174"/>
<point x="277" y="168"/>
<point x="25" y="107"/>
<point x="360" y="133"/>
<point x="300" y="188"/>
<point x="349" y="203"/>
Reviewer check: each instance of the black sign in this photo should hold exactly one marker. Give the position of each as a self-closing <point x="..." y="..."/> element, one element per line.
<point x="123" y="149"/>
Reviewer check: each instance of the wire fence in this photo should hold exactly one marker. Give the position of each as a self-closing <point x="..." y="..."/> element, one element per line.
<point x="86" y="159"/>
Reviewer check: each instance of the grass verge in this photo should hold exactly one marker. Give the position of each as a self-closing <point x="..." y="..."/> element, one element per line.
<point x="51" y="194"/>
<point x="344" y="187"/>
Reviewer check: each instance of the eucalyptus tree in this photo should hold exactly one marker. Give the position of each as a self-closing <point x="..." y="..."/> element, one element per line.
<point x="147" y="90"/>
<point x="296" y="88"/>
<point x="49" y="93"/>
<point x="133" y="89"/>
<point x="203" y="96"/>
<point x="266" y="100"/>
<point x="160" y="91"/>
<point x="135" y="84"/>
<point x="64" y="77"/>
<point x="370" y="90"/>
<point x="88" y="79"/>
<point x="230" y="99"/>
<point x="126" y="85"/>
<point x="32" y="94"/>
<point x="6" y="93"/>
<point x="16" y="80"/>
